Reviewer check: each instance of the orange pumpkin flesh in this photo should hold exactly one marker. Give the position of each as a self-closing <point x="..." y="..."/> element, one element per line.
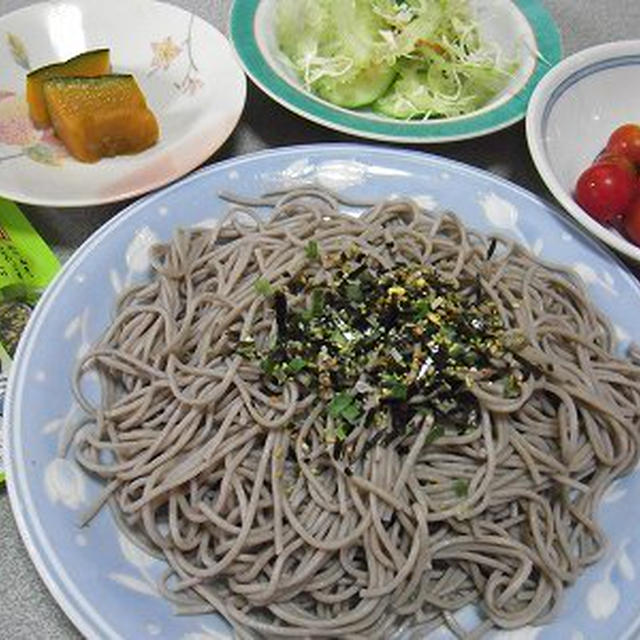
<point x="88" y="64"/>
<point x="100" y="117"/>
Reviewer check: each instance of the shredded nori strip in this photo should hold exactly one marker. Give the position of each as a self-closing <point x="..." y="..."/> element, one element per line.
<point x="280" y="304"/>
<point x="492" y="248"/>
<point x="14" y="316"/>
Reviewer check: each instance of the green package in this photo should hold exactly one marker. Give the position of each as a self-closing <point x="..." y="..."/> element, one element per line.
<point x="27" y="265"/>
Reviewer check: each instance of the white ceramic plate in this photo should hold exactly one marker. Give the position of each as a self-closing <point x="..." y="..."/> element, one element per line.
<point x="106" y="585"/>
<point x="184" y="66"/>
<point x="572" y="113"/>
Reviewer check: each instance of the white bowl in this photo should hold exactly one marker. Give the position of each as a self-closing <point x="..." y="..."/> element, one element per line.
<point x="571" y="115"/>
<point x="523" y="31"/>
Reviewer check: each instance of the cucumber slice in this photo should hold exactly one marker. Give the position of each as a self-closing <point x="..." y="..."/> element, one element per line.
<point x="404" y="99"/>
<point x="358" y="89"/>
<point x="395" y="105"/>
<point x="437" y="88"/>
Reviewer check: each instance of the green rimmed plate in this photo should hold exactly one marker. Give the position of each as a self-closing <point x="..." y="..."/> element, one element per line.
<point x="519" y="27"/>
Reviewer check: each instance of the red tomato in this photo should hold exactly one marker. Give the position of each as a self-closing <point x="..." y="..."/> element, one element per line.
<point x="605" y="190"/>
<point x="625" y="141"/>
<point x="632" y="221"/>
<point x="607" y="157"/>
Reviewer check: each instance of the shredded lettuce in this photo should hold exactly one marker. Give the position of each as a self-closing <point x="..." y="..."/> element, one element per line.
<point x="406" y="59"/>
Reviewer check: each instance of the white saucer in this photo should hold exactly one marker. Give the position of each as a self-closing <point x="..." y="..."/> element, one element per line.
<point x="185" y="67"/>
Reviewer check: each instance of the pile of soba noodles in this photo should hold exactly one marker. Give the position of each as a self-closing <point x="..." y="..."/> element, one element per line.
<point x="334" y="426"/>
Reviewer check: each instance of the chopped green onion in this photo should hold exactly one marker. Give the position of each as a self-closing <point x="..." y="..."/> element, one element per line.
<point x="398" y="391"/>
<point x="511" y="387"/>
<point x="263" y="287"/>
<point x="338" y="337"/>
<point x="436" y="432"/>
<point x="339" y="403"/>
<point x="351" y="413"/>
<point x="268" y="366"/>
<point x="297" y="364"/>
<point x="354" y="292"/>
<point x="311" y="250"/>
<point x="317" y="302"/>
<point x="420" y="309"/>
<point x="461" y="488"/>
<point x="246" y="348"/>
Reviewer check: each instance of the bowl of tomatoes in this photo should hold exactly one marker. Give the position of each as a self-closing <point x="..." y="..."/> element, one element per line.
<point x="583" y="132"/>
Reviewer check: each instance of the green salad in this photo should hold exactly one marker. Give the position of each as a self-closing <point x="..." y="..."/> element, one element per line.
<point x="404" y="59"/>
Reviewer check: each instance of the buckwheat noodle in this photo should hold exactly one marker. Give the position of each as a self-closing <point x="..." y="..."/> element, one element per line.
<point x="231" y="481"/>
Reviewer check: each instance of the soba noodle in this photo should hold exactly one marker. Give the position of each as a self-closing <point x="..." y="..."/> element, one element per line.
<point x="229" y="476"/>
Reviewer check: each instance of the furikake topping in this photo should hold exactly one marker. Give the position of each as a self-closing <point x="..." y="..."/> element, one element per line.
<point x="385" y="347"/>
<point x="14" y="316"/>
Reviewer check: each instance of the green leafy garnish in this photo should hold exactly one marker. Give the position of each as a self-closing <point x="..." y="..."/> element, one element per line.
<point x="398" y="391"/>
<point x="263" y="287"/>
<point x="421" y="309"/>
<point x="268" y="366"/>
<point x="338" y="338"/>
<point x="297" y="364"/>
<point x="386" y="347"/>
<point x="339" y="403"/>
<point x="351" y="413"/>
<point x="354" y="292"/>
<point x="461" y="488"/>
<point x="246" y="348"/>
<point x="317" y="302"/>
<point x="311" y="250"/>
<point x="436" y="432"/>
<point x="344" y="406"/>
<point x="512" y="387"/>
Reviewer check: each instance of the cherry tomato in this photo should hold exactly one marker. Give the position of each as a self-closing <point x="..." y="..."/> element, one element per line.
<point x="607" y="157"/>
<point x="625" y="141"/>
<point x="605" y="190"/>
<point x="632" y="221"/>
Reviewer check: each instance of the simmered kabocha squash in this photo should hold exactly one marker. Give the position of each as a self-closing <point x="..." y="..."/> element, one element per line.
<point x="100" y="117"/>
<point x="88" y="64"/>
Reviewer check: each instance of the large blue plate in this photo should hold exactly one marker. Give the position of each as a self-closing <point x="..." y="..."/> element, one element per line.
<point x="105" y="585"/>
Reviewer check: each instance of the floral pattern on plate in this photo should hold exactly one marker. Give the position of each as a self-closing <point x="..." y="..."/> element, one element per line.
<point x="166" y="51"/>
<point x="18" y="51"/>
<point x="17" y="130"/>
